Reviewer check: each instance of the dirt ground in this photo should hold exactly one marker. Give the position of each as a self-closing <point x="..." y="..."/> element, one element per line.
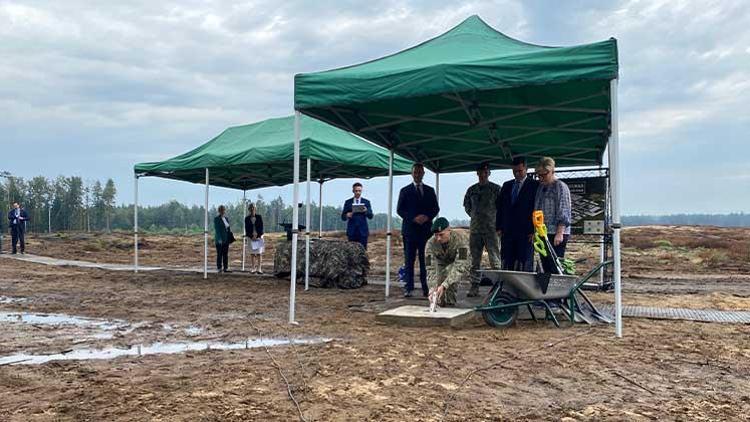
<point x="672" y="370"/>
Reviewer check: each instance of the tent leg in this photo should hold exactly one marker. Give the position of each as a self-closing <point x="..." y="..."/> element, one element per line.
<point x="307" y="228"/>
<point x="614" y="174"/>
<point x="205" y="233"/>
<point x="295" y="219"/>
<point x="49" y="214"/>
<point x="320" y="207"/>
<point x="437" y="187"/>
<point x="601" y="259"/>
<point x="244" y="237"/>
<point x="135" y="228"/>
<point x="388" y="227"/>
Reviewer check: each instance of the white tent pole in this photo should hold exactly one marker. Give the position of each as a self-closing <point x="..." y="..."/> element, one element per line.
<point x="295" y="219"/>
<point x="437" y="186"/>
<point x="205" y="233"/>
<point x="601" y="259"/>
<point x="135" y="227"/>
<point x="49" y="214"/>
<point x="388" y="227"/>
<point x="244" y="237"/>
<point x="307" y="227"/>
<point x="614" y="177"/>
<point x="320" y="207"/>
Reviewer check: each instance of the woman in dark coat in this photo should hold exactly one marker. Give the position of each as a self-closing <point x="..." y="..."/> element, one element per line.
<point x="254" y="231"/>
<point x="223" y="237"/>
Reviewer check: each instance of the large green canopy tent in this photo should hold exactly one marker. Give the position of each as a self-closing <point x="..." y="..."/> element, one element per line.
<point x="474" y="94"/>
<point x="261" y="155"/>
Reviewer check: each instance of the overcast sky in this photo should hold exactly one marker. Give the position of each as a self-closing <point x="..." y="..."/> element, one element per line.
<point x="91" y="88"/>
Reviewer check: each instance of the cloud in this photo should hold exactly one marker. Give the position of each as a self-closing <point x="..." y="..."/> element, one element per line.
<point x="142" y="80"/>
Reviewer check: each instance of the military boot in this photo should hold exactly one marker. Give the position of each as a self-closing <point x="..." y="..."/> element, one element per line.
<point x="474" y="290"/>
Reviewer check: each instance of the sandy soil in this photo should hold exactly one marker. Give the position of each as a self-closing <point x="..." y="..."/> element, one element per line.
<point x="660" y="369"/>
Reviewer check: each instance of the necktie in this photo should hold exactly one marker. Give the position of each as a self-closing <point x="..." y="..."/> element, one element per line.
<point x="419" y="189"/>
<point x="514" y="193"/>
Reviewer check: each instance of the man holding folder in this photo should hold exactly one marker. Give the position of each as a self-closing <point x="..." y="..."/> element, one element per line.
<point x="356" y="212"/>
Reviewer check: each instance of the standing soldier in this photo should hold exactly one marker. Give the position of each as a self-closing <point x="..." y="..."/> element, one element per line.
<point x="481" y="202"/>
<point x="449" y="252"/>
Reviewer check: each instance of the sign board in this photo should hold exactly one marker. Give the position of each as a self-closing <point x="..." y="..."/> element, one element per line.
<point x="588" y="197"/>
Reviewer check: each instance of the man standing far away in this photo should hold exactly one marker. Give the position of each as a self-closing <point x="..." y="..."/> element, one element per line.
<point x="514" y="222"/>
<point x="417" y="206"/>
<point x="17" y="218"/>
<point x="356" y="212"/>
<point x="481" y="203"/>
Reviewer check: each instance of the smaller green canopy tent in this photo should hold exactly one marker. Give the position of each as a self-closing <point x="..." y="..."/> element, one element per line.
<point x="260" y="155"/>
<point x="263" y="154"/>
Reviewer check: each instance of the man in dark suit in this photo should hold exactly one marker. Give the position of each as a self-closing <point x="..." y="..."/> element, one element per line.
<point x="417" y="206"/>
<point x="17" y="218"/>
<point x="514" y="224"/>
<point x="356" y="212"/>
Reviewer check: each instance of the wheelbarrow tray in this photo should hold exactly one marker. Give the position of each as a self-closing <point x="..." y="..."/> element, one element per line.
<point x="529" y="286"/>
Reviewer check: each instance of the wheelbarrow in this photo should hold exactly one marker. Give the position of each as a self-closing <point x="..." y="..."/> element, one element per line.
<point x="514" y="289"/>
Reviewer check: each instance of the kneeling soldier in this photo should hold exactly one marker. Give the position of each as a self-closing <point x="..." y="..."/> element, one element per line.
<point x="449" y="253"/>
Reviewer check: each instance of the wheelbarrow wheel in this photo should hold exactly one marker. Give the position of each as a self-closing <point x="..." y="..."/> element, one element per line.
<point x="501" y="317"/>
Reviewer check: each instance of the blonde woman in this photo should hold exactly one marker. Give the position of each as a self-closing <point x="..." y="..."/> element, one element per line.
<point x="254" y="231"/>
<point x="553" y="198"/>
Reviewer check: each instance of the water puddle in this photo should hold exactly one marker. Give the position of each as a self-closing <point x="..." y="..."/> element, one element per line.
<point x="152" y="349"/>
<point x="61" y="319"/>
<point x="193" y="331"/>
<point x="11" y="299"/>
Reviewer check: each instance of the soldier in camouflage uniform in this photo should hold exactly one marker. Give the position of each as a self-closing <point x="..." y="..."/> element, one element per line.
<point x="481" y="202"/>
<point x="449" y="252"/>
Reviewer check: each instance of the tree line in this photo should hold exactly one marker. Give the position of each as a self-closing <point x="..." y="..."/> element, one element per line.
<point x="175" y="217"/>
<point x="63" y="203"/>
<point x="70" y="203"/>
<point x="739" y="219"/>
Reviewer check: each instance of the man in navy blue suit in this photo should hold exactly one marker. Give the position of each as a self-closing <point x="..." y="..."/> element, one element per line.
<point x="356" y="212"/>
<point x="17" y="218"/>
<point x="417" y="206"/>
<point x="514" y="224"/>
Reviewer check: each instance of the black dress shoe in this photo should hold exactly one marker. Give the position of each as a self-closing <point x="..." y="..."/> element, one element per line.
<point x="408" y="293"/>
<point x="425" y="293"/>
<point x="227" y="271"/>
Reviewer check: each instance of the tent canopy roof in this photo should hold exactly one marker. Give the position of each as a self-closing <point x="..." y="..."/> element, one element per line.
<point x="473" y="94"/>
<point x="262" y="154"/>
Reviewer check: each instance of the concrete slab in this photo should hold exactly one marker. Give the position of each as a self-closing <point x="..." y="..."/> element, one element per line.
<point x="420" y="316"/>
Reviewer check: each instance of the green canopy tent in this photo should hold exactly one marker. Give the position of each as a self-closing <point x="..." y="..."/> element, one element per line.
<point x="260" y="155"/>
<point x="474" y="94"/>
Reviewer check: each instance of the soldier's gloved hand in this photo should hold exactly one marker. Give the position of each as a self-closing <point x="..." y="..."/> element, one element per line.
<point x="438" y="292"/>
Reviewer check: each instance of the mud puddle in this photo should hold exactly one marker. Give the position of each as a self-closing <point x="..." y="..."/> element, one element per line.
<point x="152" y="349"/>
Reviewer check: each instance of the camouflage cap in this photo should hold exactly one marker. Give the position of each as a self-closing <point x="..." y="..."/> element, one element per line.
<point x="440" y="224"/>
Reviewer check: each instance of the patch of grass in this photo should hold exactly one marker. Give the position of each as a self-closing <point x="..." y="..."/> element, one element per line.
<point x="92" y="247"/>
<point x="714" y="257"/>
<point x="663" y="243"/>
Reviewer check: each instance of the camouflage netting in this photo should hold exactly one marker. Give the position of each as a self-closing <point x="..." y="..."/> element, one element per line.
<point x="333" y="263"/>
